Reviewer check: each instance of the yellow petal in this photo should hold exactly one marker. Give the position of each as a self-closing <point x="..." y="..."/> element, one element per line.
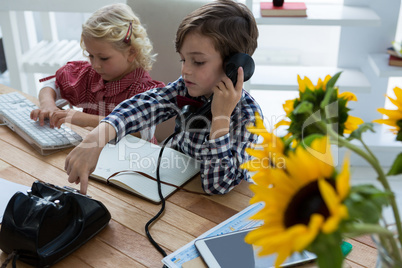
<point x="329" y="195"/>
<point x="398" y="94"/>
<point x="327" y="78"/>
<point x="320" y="84"/>
<point x="302" y="85"/>
<point x="343" y="180"/>
<point x="305" y="240"/>
<point x="282" y="123"/>
<point x="385" y="121"/>
<point x="396" y="102"/>
<point x="352" y="123"/>
<point x="288" y="106"/>
<point x="349" y="96"/>
<point x="300" y="160"/>
<point x="308" y="83"/>
<point x="332" y="223"/>
<point x="283" y="253"/>
<point x="392" y="114"/>
<point x="321" y="150"/>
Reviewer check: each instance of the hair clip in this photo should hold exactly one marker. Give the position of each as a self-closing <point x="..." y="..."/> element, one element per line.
<point x="129" y="32"/>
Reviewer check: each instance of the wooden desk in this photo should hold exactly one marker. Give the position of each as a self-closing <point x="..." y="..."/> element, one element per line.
<point x="123" y="242"/>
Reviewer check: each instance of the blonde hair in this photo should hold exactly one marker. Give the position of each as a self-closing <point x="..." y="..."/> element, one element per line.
<point x="111" y="23"/>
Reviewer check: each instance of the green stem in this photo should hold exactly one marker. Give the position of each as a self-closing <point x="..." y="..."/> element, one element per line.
<point x="368" y="150"/>
<point x="381" y="176"/>
<point x="357" y="229"/>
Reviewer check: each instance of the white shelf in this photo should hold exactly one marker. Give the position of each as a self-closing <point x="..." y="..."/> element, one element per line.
<point x="48" y="56"/>
<point x="337" y="15"/>
<point x="379" y="63"/>
<point x="382" y="143"/>
<point x="55" y="6"/>
<point x="285" y="78"/>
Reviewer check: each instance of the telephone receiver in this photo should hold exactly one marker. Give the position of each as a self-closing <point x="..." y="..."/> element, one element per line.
<point x="199" y="118"/>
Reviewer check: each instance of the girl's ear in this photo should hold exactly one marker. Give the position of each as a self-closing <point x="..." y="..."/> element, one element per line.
<point x="131" y="55"/>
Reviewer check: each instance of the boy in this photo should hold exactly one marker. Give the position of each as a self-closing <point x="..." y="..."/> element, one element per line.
<point x="204" y="39"/>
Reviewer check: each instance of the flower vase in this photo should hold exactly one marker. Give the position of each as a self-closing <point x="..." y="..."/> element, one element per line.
<point x="386" y="254"/>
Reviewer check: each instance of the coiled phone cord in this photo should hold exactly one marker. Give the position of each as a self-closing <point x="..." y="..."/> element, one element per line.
<point x="158" y="179"/>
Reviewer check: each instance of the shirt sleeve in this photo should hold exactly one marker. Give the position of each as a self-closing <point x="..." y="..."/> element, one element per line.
<point x="144" y="110"/>
<point x="72" y="79"/>
<point x="52" y="84"/>
<point x="221" y="159"/>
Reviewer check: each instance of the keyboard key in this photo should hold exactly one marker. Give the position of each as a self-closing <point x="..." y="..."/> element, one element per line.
<point x="15" y="109"/>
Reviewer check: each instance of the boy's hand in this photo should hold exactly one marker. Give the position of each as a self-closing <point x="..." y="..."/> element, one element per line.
<point x="81" y="161"/>
<point x="226" y="96"/>
<point x="225" y="99"/>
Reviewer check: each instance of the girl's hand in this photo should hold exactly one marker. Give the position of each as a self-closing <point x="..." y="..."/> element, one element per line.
<point x="47" y="99"/>
<point x="74" y="117"/>
<point x="43" y="114"/>
<point x="62" y="116"/>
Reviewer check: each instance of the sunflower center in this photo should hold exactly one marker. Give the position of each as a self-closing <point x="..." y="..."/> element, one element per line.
<point x="306" y="202"/>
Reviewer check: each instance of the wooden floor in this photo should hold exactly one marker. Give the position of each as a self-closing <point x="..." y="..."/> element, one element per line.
<point x="123" y="242"/>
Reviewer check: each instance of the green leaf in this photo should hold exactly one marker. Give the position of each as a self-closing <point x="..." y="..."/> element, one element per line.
<point x="304" y="107"/>
<point x="396" y="167"/>
<point x="330" y="90"/>
<point x="332" y="81"/>
<point x="366" y="212"/>
<point x="327" y="247"/>
<point x="399" y="134"/>
<point x="365" y="203"/>
<point x="306" y="142"/>
<point x="357" y="134"/>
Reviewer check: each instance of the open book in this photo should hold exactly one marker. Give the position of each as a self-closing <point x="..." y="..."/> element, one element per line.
<point x="132" y="155"/>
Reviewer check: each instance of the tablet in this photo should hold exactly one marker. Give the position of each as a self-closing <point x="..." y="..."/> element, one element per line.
<point x="230" y="251"/>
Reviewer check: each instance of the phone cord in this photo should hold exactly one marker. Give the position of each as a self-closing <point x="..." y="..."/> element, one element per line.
<point x="156" y="217"/>
<point x="12" y="256"/>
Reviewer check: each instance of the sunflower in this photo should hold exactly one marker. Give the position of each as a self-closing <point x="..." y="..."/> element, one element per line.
<point x="311" y="96"/>
<point x="267" y="155"/>
<point x="394" y="116"/>
<point x="302" y="201"/>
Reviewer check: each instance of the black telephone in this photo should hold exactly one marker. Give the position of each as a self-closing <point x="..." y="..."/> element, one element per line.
<point x="198" y="118"/>
<point x="49" y="223"/>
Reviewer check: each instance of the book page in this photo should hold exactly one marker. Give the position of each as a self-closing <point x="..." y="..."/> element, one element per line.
<point x="132" y="153"/>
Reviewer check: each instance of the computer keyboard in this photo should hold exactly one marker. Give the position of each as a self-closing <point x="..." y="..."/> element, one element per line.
<point x="15" y="112"/>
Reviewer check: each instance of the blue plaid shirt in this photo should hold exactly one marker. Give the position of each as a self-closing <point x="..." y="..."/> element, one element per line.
<point x="219" y="158"/>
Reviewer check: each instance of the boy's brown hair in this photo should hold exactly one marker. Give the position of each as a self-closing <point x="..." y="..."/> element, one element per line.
<point x="229" y="24"/>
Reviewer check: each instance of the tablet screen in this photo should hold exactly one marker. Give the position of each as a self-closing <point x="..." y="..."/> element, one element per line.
<point x="231" y="251"/>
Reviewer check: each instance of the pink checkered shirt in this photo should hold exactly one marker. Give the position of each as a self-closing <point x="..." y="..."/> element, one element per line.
<point x="83" y="87"/>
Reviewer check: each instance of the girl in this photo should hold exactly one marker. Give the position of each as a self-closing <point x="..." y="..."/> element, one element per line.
<point x="119" y="52"/>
